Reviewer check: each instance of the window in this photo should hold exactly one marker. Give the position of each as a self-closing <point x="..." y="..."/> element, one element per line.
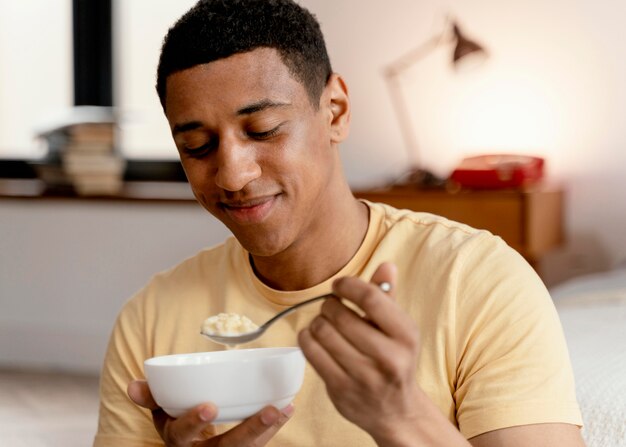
<point x="84" y="52"/>
<point x="137" y="43"/>
<point x="35" y="70"/>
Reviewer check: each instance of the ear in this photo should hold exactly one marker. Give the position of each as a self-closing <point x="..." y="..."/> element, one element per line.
<point x="337" y="103"/>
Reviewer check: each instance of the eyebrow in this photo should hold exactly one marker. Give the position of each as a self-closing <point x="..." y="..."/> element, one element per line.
<point x="185" y="127"/>
<point x="259" y="106"/>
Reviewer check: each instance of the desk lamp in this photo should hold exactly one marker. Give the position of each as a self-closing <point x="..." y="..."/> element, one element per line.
<point x="465" y="51"/>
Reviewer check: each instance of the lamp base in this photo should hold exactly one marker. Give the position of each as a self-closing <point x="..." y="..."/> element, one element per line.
<point x="420" y="178"/>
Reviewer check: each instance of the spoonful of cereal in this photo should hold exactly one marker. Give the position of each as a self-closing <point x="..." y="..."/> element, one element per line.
<point x="232" y="329"/>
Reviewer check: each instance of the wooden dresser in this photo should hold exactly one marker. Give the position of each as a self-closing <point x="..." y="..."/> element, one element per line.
<point x="529" y="220"/>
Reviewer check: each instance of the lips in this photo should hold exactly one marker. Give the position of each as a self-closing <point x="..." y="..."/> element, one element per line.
<point x="249" y="211"/>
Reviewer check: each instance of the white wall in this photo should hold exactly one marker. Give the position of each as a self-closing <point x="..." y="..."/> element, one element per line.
<point x="67" y="266"/>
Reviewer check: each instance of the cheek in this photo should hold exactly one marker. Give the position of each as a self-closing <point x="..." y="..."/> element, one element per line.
<point x="317" y="154"/>
<point x="311" y="144"/>
<point x="196" y="171"/>
<point x="199" y="178"/>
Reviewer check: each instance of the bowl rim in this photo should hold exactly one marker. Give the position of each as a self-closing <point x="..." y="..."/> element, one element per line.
<point x="223" y="356"/>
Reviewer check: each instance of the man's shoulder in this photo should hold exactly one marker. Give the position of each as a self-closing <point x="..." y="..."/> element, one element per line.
<point x="179" y="291"/>
<point x="419" y="239"/>
<point x="200" y="270"/>
<point x="418" y="224"/>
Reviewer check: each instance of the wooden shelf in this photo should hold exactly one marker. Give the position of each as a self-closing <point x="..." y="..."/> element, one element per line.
<point x="132" y="190"/>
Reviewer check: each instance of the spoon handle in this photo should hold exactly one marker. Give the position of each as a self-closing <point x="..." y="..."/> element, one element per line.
<point x="297" y="306"/>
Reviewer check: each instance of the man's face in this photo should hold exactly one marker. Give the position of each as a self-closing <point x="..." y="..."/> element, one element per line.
<point x="256" y="152"/>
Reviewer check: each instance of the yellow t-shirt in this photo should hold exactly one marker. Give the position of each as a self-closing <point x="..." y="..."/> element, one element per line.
<point x="493" y="352"/>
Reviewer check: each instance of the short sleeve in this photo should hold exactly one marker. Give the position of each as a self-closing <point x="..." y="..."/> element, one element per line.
<point x="121" y="422"/>
<point x="513" y="366"/>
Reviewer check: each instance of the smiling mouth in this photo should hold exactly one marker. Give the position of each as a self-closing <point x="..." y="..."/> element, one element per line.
<point x="246" y="203"/>
<point x="249" y="211"/>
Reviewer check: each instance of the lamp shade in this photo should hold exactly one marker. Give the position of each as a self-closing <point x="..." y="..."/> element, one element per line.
<point x="464" y="46"/>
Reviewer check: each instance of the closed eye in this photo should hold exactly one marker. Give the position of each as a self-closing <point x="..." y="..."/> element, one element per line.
<point x="264" y="135"/>
<point x="200" y="151"/>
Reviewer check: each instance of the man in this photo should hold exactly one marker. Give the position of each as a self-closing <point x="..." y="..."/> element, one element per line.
<point x="466" y="345"/>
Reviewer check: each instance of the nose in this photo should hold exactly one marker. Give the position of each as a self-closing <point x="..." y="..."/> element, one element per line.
<point x="237" y="165"/>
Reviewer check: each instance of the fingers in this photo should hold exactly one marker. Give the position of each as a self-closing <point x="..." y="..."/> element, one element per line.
<point x="257" y="430"/>
<point x="189" y="427"/>
<point x="198" y="422"/>
<point x="194" y="426"/>
<point x="379" y="309"/>
<point x="175" y="432"/>
<point x="339" y="328"/>
<point x="341" y="345"/>
<point x="386" y="273"/>
<point x="320" y="357"/>
<point x="330" y="340"/>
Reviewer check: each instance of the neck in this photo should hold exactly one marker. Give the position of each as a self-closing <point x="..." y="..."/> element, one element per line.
<point x="331" y="242"/>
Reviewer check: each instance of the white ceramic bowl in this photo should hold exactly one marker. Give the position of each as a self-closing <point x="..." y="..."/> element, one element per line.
<point x="239" y="382"/>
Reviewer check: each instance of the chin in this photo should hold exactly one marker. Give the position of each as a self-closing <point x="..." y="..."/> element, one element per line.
<point x="261" y="244"/>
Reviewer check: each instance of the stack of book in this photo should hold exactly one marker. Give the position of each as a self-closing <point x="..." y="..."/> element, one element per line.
<point x="90" y="161"/>
<point x="80" y="151"/>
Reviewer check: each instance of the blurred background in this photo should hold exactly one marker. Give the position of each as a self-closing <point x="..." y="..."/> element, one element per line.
<point x="553" y="86"/>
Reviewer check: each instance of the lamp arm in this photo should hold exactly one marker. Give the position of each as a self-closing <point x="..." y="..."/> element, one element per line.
<point x="402" y="114"/>
<point x="409" y="58"/>
<point x="392" y="74"/>
<point x="405" y="61"/>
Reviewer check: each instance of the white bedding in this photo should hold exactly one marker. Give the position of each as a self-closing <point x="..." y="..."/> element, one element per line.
<point x="593" y="314"/>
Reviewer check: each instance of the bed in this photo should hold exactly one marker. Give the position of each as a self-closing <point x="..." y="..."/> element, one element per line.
<point x="592" y="309"/>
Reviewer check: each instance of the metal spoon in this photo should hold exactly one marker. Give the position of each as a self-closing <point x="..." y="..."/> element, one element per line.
<point x="233" y="340"/>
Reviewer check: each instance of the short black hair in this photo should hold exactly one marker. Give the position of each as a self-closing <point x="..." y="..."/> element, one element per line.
<point x="216" y="29"/>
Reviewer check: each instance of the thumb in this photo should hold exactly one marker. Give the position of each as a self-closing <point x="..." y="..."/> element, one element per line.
<point x="139" y="392"/>
<point x="387" y="272"/>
